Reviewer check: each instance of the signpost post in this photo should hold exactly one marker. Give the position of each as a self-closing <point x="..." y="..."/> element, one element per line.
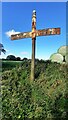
<point x="33" y="34"/>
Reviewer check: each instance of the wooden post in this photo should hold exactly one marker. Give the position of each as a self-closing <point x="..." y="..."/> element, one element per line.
<point x="33" y="34"/>
<point x="33" y="45"/>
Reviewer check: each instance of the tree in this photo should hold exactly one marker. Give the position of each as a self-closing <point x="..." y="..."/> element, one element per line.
<point x="2" y="49"/>
<point x="56" y="57"/>
<point x="11" y="57"/>
<point x="66" y="58"/>
<point x="25" y="59"/>
<point x="63" y="51"/>
<point x="18" y="58"/>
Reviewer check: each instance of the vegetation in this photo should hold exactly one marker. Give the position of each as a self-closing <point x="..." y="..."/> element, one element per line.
<point x="61" y="55"/>
<point x="9" y="65"/>
<point x="11" y="57"/>
<point x="63" y="51"/>
<point x="2" y="49"/>
<point x="45" y="98"/>
<point x="56" y="57"/>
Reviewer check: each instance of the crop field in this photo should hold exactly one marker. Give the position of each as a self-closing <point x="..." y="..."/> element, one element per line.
<point x="8" y="65"/>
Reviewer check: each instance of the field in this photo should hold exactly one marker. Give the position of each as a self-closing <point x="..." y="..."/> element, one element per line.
<point x="8" y="65"/>
<point x="45" y="98"/>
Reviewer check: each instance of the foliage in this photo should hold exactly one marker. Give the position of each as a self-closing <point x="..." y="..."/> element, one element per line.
<point x="9" y="65"/>
<point x="2" y="48"/>
<point x="63" y="50"/>
<point x="56" y="57"/>
<point x="11" y="57"/>
<point x="61" y="56"/>
<point x="18" y="58"/>
<point x="66" y="58"/>
<point x="45" y="98"/>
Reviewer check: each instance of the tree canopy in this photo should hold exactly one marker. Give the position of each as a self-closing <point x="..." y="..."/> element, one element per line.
<point x="56" y="57"/>
<point x="63" y="50"/>
<point x="11" y="57"/>
<point x="61" y="55"/>
<point x="2" y="49"/>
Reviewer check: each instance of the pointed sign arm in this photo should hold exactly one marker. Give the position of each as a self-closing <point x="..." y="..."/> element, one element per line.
<point x="48" y="31"/>
<point x="21" y="35"/>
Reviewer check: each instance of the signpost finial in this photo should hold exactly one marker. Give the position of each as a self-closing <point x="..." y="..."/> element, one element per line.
<point x="34" y="12"/>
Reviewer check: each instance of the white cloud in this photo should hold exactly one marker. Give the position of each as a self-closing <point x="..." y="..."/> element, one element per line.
<point x="2" y="55"/>
<point x="7" y="50"/>
<point x="11" y="32"/>
<point x="5" y="55"/>
<point x="24" y="53"/>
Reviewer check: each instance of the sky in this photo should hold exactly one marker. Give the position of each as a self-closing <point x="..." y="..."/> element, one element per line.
<point x="67" y="23"/>
<point x="17" y="17"/>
